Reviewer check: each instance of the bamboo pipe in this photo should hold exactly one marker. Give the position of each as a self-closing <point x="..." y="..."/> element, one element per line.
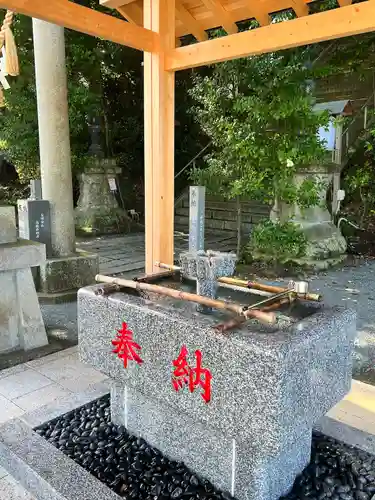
<point x="237" y="322"/>
<point x="252" y="286"/>
<point x="238" y="288"/>
<point x="191" y="297"/>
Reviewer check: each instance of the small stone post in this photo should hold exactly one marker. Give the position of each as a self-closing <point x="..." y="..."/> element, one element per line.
<point x="196" y="218"/>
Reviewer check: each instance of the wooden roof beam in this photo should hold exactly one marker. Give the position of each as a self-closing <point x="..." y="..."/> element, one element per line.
<point x="85" y="20"/>
<point x="190" y="22"/>
<point x="216" y="7"/>
<point x="337" y="23"/>
<point x="344" y="3"/>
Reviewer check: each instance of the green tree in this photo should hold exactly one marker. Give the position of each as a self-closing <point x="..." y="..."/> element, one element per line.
<point x="258" y="113"/>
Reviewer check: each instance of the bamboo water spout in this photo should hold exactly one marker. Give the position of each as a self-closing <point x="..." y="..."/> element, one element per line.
<point x="252" y="286"/>
<point x="246" y="312"/>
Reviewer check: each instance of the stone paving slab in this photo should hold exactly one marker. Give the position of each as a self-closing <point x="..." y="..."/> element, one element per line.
<point x="125" y="253"/>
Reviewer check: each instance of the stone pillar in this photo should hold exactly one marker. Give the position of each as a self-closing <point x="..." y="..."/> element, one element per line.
<point x="54" y="143"/>
<point x="67" y="271"/>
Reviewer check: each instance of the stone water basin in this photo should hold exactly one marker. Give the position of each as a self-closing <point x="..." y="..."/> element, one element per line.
<point x="269" y="384"/>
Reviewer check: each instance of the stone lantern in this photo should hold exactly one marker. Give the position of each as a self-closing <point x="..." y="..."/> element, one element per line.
<point x="97" y="210"/>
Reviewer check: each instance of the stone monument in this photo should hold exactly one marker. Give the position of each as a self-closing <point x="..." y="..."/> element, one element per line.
<point x="326" y="246"/>
<point x="238" y="409"/>
<point x="21" y="322"/>
<point x="97" y="210"/>
<point x="197" y="196"/>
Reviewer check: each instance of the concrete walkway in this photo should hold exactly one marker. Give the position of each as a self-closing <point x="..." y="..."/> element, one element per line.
<point x="121" y="254"/>
<point x="32" y="385"/>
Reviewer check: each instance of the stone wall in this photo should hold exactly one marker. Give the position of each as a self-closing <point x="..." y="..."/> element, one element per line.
<point x="344" y="86"/>
<point x="222" y="215"/>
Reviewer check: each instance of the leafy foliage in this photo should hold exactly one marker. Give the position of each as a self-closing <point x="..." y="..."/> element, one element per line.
<point x="258" y="113"/>
<point x="105" y="80"/>
<point x="276" y="241"/>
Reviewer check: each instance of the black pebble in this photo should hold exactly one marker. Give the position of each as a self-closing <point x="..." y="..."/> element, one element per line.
<point x="135" y="470"/>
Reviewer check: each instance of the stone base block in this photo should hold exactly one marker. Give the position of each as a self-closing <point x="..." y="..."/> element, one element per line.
<point x="230" y="464"/>
<point x="21" y="254"/>
<point x="21" y="322"/>
<point x="67" y="274"/>
<point x="96" y="222"/>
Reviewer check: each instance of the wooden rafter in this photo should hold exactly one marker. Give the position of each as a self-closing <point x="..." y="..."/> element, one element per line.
<point x="114" y="4"/>
<point x="188" y="20"/>
<point x="337" y="23"/>
<point x="132" y="12"/>
<point x="85" y="20"/>
<point x="258" y="12"/>
<point x="226" y="21"/>
<point x="130" y="9"/>
<point x="300" y="8"/>
<point x="344" y="3"/>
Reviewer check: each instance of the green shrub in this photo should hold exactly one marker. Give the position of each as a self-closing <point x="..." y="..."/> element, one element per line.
<point x="275" y="241"/>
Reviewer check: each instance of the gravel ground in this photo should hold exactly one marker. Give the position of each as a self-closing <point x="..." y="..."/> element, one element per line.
<point x="61" y="316"/>
<point x="135" y="470"/>
<point x="354" y="287"/>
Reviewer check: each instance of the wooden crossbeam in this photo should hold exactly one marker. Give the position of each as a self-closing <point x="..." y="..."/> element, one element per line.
<point x="191" y="24"/>
<point x="344" y="3"/>
<point x="216" y="7"/>
<point x="337" y="23"/>
<point x="85" y="20"/>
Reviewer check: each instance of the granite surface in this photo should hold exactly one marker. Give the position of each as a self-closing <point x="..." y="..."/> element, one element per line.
<point x="44" y="470"/>
<point x="68" y="273"/>
<point x="307" y="366"/>
<point x="257" y="377"/>
<point x="346" y="434"/>
<point x="8" y="230"/>
<point x="65" y="404"/>
<point x="31" y="329"/>
<point x="21" y="254"/>
<point x="21" y="323"/>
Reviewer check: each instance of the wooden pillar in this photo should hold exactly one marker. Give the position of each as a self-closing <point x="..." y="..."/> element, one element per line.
<point x="159" y="16"/>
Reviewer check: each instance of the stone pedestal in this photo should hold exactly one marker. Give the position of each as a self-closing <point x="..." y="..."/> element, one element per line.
<point x="269" y="386"/>
<point x="326" y="245"/>
<point x="207" y="267"/>
<point x="21" y="323"/>
<point x="60" y="278"/>
<point x="97" y="210"/>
